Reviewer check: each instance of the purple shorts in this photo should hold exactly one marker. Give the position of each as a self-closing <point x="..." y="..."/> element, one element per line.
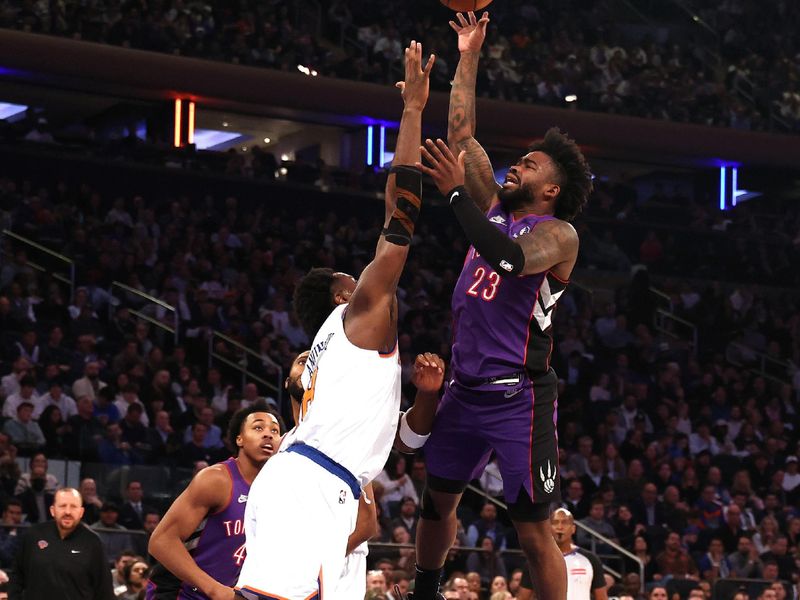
<point x="517" y="421"/>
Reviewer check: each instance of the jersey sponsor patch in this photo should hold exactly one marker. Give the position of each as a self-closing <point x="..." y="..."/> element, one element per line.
<point x="42" y="544"/>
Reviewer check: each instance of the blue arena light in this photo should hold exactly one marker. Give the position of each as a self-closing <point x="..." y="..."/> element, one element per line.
<point x="212" y="139"/>
<point x="8" y="111"/>
<point x="722" y="181"/>
<point x="382" y="147"/>
<point x="369" y="144"/>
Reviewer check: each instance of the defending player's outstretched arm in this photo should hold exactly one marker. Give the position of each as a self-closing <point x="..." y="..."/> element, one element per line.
<point x="480" y="182"/>
<point x="371" y="320"/>
<point x="207" y="492"/>
<point x="416" y="423"/>
<point x="547" y="246"/>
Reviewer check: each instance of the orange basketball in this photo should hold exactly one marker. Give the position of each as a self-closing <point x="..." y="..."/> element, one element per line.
<point x="466" y="5"/>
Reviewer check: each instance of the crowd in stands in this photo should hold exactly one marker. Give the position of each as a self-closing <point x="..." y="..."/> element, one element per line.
<point x="737" y="71"/>
<point x="668" y="449"/>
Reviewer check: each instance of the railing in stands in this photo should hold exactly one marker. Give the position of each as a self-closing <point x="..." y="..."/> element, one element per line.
<point x="742" y="355"/>
<point x="129" y="295"/>
<point x="595" y="536"/>
<point x="154" y="303"/>
<point x="238" y="361"/>
<point x="68" y="278"/>
<point x="670" y="324"/>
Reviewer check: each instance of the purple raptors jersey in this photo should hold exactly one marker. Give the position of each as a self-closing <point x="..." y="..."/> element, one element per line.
<point x="217" y="546"/>
<point x="502" y="325"/>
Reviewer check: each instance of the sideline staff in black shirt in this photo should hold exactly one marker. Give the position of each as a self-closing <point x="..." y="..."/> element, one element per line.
<point x="61" y="558"/>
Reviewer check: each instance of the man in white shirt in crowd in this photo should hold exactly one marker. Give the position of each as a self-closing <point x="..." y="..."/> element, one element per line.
<point x="10" y="383"/>
<point x="90" y="383"/>
<point x="55" y="397"/>
<point x="130" y="395"/>
<point x="26" y="393"/>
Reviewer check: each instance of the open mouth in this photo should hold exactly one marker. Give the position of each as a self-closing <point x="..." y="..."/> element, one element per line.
<point x="511" y="179"/>
<point x="268" y="448"/>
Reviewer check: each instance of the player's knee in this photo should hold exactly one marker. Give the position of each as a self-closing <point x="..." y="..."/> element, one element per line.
<point x="436" y="506"/>
<point x="535" y="538"/>
<point x="427" y="509"/>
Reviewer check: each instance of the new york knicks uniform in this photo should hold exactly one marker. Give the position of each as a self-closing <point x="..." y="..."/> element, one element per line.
<point x="502" y="395"/>
<point x="352" y="582"/>
<point x="304" y="502"/>
<point x="217" y="546"/>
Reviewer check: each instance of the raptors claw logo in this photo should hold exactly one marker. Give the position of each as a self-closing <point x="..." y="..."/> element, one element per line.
<point x="549" y="478"/>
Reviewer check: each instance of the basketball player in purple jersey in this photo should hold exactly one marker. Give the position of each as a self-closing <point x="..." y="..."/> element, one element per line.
<point x="199" y="543"/>
<point x="502" y="395"/>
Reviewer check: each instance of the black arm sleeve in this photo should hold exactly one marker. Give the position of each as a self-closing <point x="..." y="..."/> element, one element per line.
<point x="504" y="254"/>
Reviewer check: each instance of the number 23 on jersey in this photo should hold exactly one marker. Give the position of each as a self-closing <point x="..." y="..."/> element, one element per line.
<point x="485" y="284"/>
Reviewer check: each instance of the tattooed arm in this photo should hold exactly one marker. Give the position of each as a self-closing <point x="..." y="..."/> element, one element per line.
<point x="480" y="182"/>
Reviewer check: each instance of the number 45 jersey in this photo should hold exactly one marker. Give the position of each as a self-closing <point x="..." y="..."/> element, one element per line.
<point x="502" y="325"/>
<point x="217" y="546"/>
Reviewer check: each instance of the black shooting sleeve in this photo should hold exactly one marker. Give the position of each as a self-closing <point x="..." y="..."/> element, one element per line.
<point x="500" y="251"/>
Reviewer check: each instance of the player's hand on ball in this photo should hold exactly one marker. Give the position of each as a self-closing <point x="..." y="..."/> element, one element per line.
<point x="416" y="86"/>
<point x="428" y="372"/>
<point x="471" y="31"/>
<point x="446" y="170"/>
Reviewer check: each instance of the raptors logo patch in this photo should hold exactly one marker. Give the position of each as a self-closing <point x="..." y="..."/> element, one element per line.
<point x="548" y="477"/>
<point x="42" y="544"/>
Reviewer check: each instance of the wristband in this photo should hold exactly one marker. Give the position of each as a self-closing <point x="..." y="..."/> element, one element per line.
<point x="410" y="437"/>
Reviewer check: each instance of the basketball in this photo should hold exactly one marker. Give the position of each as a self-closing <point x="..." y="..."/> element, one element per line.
<point x="466" y="5"/>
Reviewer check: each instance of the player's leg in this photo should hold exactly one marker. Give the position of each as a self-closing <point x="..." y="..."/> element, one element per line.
<point x="455" y="454"/>
<point x="527" y="455"/>
<point x="548" y="571"/>
<point x="298" y="519"/>
<point x="436" y="531"/>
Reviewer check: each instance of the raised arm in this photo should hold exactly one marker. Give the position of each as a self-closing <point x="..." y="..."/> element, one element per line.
<point x="480" y="180"/>
<point x="371" y="320"/>
<point x="208" y="492"/>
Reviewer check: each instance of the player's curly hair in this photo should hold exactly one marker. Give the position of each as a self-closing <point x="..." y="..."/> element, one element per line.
<point x="313" y="301"/>
<point x="240" y="416"/>
<point x="575" y="177"/>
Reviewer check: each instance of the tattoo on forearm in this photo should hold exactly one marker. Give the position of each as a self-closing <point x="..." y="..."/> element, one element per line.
<point x="480" y="182"/>
<point x="461" y="120"/>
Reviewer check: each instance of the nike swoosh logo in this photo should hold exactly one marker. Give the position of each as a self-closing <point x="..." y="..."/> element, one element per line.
<point x="76" y="551"/>
<point x="512" y="393"/>
<point x="242" y="499"/>
<point x="453" y="197"/>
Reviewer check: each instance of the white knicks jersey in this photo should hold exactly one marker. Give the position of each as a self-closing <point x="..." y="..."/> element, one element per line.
<point x="584" y="574"/>
<point x="351" y="404"/>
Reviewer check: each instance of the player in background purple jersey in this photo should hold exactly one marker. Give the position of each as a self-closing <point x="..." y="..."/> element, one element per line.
<point x="502" y="394"/>
<point x="199" y="543"/>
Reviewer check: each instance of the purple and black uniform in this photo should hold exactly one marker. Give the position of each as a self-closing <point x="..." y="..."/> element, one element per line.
<point x="503" y="393"/>
<point x="217" y="546"/>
